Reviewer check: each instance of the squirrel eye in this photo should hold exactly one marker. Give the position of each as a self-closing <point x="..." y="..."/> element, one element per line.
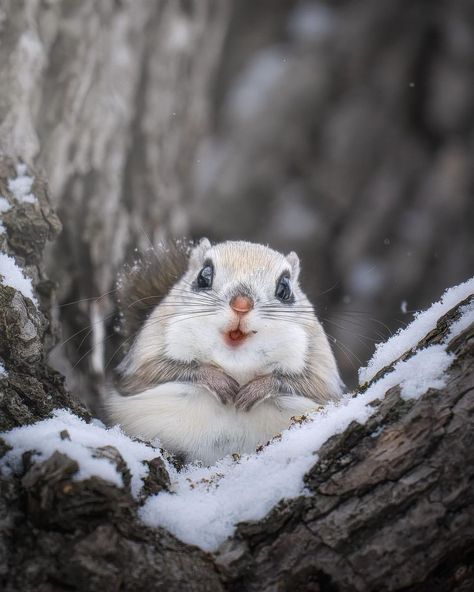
<point x="283" y="289"/>
<point x="205" y="277"/>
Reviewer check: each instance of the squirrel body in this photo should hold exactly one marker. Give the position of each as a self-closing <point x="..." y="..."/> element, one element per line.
<point x="189" y="421"/>
<point x="225" y="355"/>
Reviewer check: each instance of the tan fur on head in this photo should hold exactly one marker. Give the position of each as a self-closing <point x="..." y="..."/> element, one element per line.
<point x="143" y="286"/>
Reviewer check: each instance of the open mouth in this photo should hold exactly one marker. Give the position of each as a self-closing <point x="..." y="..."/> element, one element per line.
<point x="236" y="337"/>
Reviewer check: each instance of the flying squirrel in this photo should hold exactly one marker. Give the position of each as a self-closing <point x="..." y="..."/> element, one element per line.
<point x="226" y="349"/>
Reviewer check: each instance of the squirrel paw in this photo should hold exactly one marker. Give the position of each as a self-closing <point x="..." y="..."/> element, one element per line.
<point x="255" y="392"/>
<point x="220" y="384"/>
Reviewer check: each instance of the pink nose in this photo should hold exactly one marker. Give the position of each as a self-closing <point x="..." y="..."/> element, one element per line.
<point x="241" y="304"/>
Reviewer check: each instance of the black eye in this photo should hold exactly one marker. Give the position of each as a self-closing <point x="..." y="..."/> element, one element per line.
<point x="205" y="277"/>
<point x="283" y="289"/>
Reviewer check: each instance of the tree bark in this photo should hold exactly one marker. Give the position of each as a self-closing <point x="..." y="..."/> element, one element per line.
<point x="32" y="389"/>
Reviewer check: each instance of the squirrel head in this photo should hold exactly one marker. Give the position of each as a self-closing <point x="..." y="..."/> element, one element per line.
<point x="237" y="305"/>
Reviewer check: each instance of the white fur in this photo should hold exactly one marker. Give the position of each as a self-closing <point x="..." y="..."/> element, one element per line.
<point x="265" y="351"/>
<point x="190" y="420"/>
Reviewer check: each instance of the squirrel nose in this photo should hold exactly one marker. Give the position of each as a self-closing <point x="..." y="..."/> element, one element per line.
<point x="241" y="304"/>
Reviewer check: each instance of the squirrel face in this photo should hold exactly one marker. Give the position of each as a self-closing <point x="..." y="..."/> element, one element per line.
<point x="238" y="306"/>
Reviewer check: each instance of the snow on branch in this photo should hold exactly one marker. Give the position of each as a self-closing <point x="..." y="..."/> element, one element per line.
<point x="423" y="323"/>
<point x="72" y="436"/>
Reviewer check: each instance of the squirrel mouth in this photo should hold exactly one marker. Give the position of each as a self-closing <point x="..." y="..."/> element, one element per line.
<point x="236" y="337"/>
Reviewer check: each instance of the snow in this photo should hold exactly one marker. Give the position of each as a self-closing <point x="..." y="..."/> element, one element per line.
<point x="44" y="438"/>
<point x="21" y="186"/>
<point x="423" y="371"/>
<point x="208" y="502"/>
<point x="11" y="275"/>
<point x="4" y="205"/>
<point x="465" y="320"/>
<point x="3" y="372"/>
<point x="405" y="339"/>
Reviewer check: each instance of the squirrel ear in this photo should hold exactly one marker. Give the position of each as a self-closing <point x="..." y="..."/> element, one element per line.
<point x="198" y="252"/>
<point x="294" y="261"/>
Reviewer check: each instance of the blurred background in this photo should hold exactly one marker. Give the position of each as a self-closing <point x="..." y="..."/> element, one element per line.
<point x="341" y="129"/>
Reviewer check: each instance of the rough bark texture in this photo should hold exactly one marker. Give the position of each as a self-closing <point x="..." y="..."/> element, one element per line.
<point x="389" y="507"/>
<point x="32" y="389"/>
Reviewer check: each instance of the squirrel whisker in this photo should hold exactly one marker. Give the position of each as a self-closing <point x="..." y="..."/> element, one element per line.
<point x="359" y="325"/>
<point x="89" y="327"/>
<point x="362" y="338"/>
<point x="87" y="299"/>
<point x="372" y="319"/>
<point x="345" y="350"/>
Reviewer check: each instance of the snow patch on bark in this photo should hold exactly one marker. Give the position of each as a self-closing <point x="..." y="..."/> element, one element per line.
<point x="424" y="371"/>
<point x="11" y="275"/>
<point x="4" y="205"/>
<point x="466" y="319"/>
<point x="405" y="339"/>
<point x="21" y="185"/>
<point x="79" y="444"/>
